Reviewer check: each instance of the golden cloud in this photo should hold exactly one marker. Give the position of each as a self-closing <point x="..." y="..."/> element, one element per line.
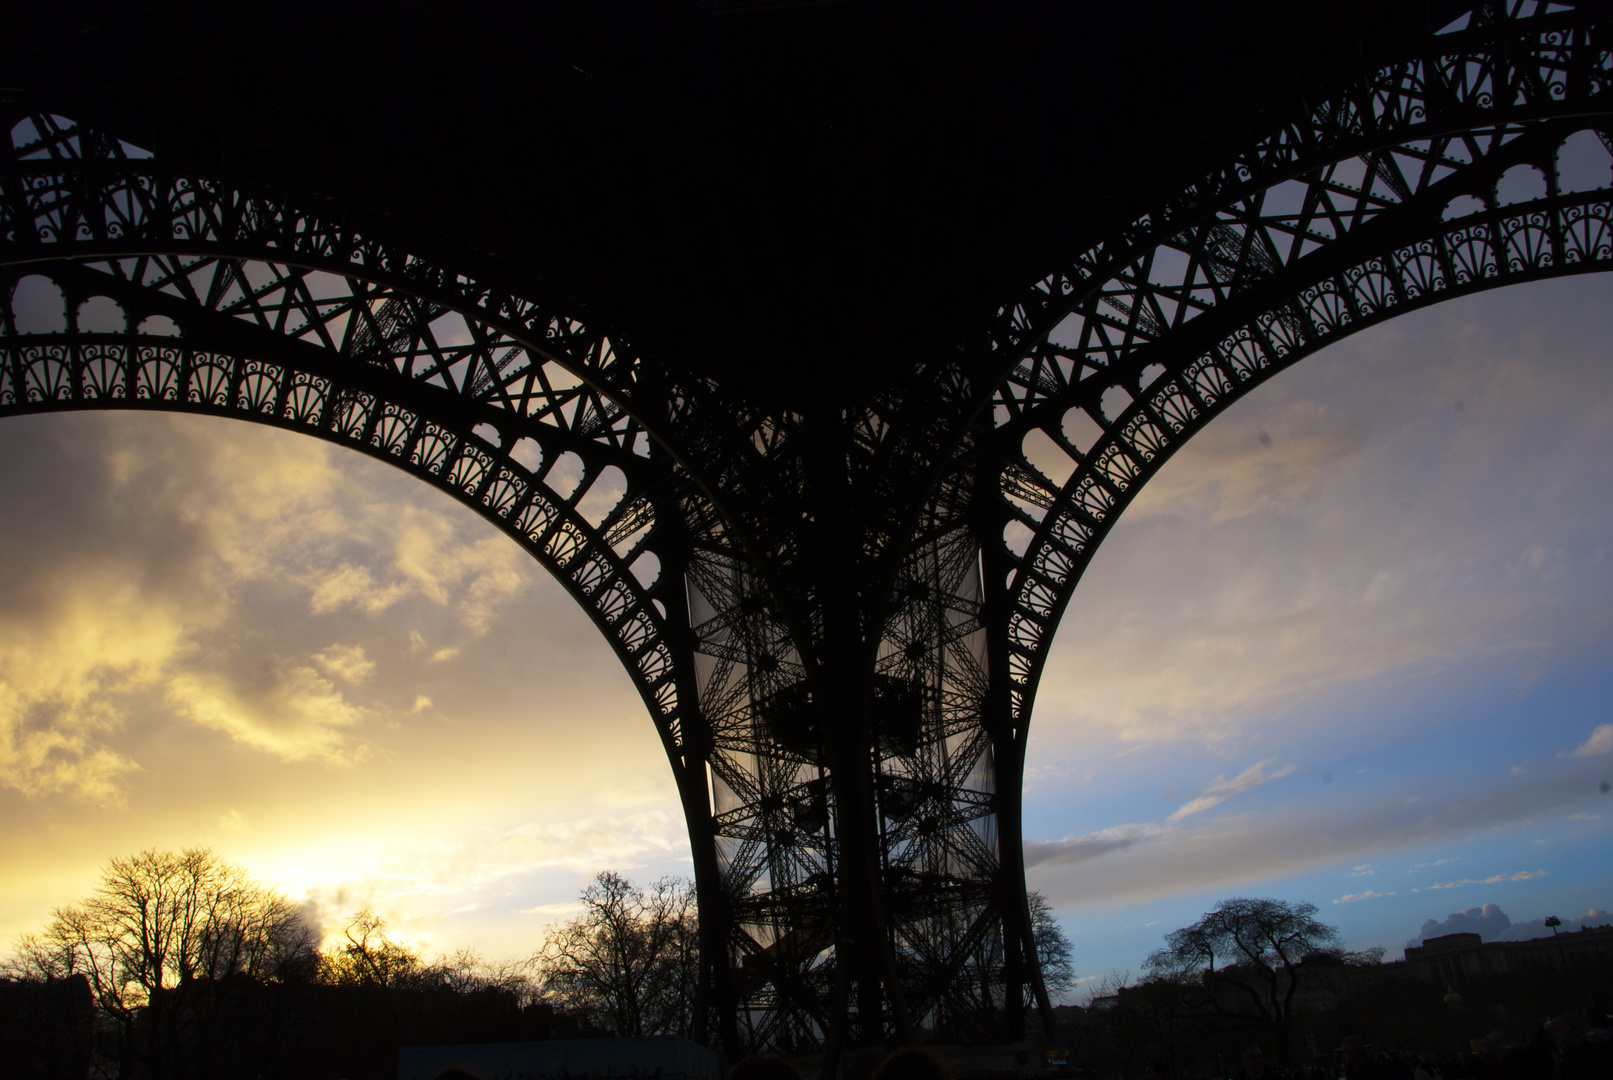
<point x="64" y="669"/>
<point x="187" y="529"/>
<point x="346" y="662"/>
<point x="298" y="715"/>
<point x="350" y="586"/>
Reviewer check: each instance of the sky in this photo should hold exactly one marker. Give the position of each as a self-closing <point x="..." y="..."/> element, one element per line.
<point x="1351" y="647"/>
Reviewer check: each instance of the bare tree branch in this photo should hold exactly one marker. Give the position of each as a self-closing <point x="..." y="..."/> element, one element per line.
<point x="630" y="962"/>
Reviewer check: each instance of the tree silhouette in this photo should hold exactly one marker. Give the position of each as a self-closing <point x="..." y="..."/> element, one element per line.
<point x="367" y="957"/>
<point x="1053" y="948"/>
<point x="1254" y="947"/>
<point x="158" y="923"/>
<point x="630" y="962"/>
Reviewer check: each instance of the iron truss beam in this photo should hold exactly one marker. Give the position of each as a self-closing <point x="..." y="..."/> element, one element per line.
<point x="1381" y="200"/>
<point x="237" y="304"/>
<point x="837" y="617"/>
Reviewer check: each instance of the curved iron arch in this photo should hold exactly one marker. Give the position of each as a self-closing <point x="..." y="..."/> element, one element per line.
<point x="1317" y="232"/>
<point x="236" y="305"/>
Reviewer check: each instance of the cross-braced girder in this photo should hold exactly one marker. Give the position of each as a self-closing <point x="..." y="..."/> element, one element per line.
<point x="1382" y="200"/>
<point x="239" y="305"/>
<point x="844" y="610"/>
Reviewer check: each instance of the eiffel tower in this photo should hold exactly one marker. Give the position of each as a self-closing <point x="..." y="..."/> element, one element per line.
<point x="814" y="348"/>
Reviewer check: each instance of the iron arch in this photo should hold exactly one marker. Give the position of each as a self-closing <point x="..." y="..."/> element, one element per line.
<point x="1383" y="201"/>
<point x="244" y="305"/>
<point x="236" y="305"/>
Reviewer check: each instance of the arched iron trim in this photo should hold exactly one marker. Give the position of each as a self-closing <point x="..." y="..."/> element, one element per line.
<point x="1336" y="222"/>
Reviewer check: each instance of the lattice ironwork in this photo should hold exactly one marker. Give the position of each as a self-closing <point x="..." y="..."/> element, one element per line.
<point x="837" y="616"/>
<point x="239" y="305"/>
<point x="1382" y="200"/>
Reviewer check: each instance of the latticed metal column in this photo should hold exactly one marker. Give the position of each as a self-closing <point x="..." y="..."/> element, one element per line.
<point x="927" y="773"/>
<point x="858" y="779"/>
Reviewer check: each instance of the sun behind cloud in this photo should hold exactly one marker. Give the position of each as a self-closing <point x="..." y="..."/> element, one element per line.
<point x="217" y="633"/>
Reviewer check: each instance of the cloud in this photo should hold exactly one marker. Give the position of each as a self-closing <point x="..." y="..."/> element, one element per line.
<point x="1600" y="742"/>
<point x="351" y="586"/>
<point x="288" y="507"/>
<point x="1302" y="581"/>
<point x="1492" y="924"/>
<point x="427" y="560"/>
<point x="1488" y="921"/>
<point x="293" y="713"/>
<point x="1075" y="849"/>
<point x="1521" y="875"/>
<point x="68" y="667"/>
<point x="445" y="871"/>
<point x="1537" y="928"/>
<point x="127" y="578"/>
<point x="1221" y="789"/>
<point x="159" y="650"/>
<point x="46" y="762"/>
<point x="346" y="662"/>
<point x="430" y="559"/>
<point x="1232" y="850"/>
<point x="1236" y="472"/>
<point x="553" y="912"/>
<point x="1351" y="898"/>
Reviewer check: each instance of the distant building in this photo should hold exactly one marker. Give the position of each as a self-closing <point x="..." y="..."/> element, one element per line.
<point x="1454" y="958"/>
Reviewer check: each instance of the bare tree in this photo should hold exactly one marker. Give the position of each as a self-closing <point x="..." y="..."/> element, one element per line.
<point x="1053" y="948"/>
<point x="467" y="972"/>
<point x="158" y="922"/>
<point x="1254" y="947"/>
<point x="367" y="957"/>
<point x="630" y="962"/>
<point x="160" y="919"/>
